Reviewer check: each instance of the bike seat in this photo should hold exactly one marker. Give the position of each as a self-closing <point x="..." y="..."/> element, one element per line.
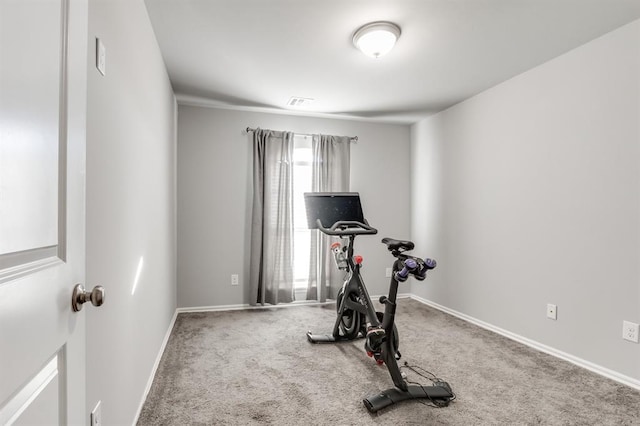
<point x="398" y="244"/>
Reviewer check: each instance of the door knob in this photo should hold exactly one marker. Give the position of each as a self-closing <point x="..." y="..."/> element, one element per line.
<point x="80" y="296"/>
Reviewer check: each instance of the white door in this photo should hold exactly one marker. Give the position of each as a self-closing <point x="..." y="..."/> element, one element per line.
<point x="43" y="67"/>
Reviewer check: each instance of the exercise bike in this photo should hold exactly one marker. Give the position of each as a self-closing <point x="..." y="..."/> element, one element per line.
<point x="356" y="315"/>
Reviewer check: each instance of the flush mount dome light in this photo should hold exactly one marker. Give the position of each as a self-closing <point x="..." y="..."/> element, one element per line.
<point x="376" y="38"/>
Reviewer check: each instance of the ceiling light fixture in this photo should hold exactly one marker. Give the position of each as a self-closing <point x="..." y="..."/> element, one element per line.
<point x="376" y="38"/>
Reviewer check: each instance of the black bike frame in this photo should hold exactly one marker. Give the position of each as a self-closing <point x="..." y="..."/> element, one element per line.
<point x="388" y="347"/>
<point x="355" y="286"/>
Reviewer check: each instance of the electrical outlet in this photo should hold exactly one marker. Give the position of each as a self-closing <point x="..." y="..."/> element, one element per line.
<point x="630" y="331"/>
<point x="96" y="415"/>
<point x="552" y="311"/>
<point x="234" y="279"/>
<point x="387" y="272"/>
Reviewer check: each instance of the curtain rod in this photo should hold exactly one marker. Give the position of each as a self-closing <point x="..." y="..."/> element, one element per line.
<point x="353" y="138"/>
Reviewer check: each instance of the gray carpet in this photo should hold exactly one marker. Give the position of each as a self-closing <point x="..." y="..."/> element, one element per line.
<point x="256" y="367"/>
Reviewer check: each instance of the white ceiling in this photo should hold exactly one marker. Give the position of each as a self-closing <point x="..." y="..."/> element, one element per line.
<point x="256" y="54"/>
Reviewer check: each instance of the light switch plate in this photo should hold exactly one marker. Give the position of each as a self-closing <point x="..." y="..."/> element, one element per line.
<point x="101" y="57"/>
<point x="96" y="415"/>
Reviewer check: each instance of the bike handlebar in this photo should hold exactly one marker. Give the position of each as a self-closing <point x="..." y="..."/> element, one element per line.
<point x="347" y="227"/>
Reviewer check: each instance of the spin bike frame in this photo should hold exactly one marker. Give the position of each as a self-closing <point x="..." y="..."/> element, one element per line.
<point x="403" y="266"/>
<point x="354" y="288"/>
<point x="440" y="391"/>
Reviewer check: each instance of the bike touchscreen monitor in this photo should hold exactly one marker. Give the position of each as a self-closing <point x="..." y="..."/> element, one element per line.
<point x="331" y="207"/>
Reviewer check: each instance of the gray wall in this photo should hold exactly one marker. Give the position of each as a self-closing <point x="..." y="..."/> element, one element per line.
<point x="532" y="195"/>
<point x="130" y="207"/>
<point x="214" y="196"/>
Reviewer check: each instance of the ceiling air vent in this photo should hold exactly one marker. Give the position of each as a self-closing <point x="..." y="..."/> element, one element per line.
<point x="299" y="102"/>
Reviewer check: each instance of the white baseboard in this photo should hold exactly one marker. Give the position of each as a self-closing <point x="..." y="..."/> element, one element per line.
<point x="245" y="306"/>
<point x="603" y="371"/>
<point x="239" y="307"/>
<point x="155" y="366"/>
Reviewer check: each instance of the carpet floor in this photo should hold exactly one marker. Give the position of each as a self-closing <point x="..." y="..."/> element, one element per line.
<point x="255" y="367"/>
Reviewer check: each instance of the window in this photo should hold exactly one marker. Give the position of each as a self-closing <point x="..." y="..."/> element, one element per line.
<point x="302" y="181"/>
<point x="284" y="272"/>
